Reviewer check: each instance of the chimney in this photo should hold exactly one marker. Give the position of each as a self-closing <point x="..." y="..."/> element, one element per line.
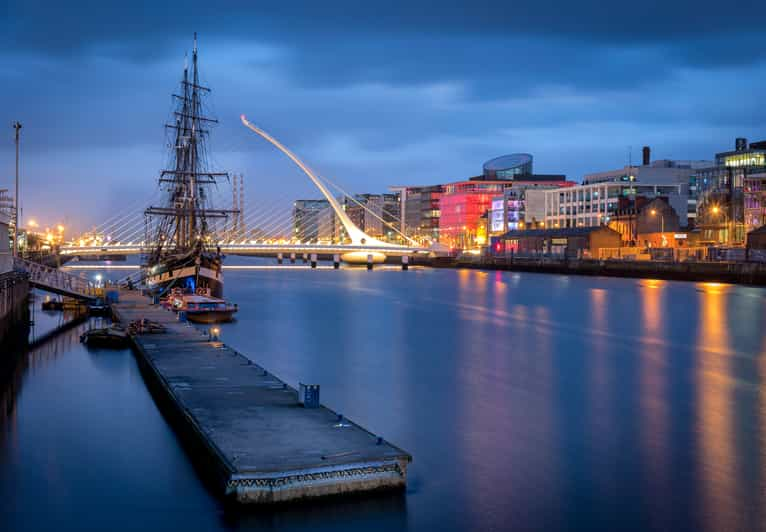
<point x="647" y="153"/>
<point x="740" y="144"/>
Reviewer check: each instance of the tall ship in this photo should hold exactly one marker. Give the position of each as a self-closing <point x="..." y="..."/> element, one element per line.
<point x="184" y="256"/>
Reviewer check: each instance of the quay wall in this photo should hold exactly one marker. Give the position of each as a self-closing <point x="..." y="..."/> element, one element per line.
<point x="14" y="308"/>
<point x="753" y="273"/>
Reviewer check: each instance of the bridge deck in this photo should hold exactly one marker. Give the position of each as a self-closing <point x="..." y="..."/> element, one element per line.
<point x="52" y="288"/>
<point x="259" y="442"/>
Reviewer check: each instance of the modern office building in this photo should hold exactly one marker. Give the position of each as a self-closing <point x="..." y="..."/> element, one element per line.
<point x="306" y="219"/>
<point x="462" y="205"/>
<point x="522" y="205"/>
<point x="419" y="212"/>
<point x="595" y="204"/>
<point x="378" y="215"/>
<point x="731" y="194"/>
<point x="659" y="172"/>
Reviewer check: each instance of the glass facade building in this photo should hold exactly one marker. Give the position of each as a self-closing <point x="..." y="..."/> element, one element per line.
<point x="508" y="167"/>
<point x="462" y="205"/>
<point x="731" y="196"/>
<point x="306" y="219"/>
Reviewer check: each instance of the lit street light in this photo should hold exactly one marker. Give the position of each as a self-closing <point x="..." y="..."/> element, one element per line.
<point x="17" y="127"/>
<point x="653" y="212"/>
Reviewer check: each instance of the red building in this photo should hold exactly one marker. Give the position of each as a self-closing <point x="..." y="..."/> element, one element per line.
<point x="462" y="206"/>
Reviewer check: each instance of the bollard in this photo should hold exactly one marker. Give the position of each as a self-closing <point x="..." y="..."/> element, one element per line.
<point x="369" y="262"/>
<point x="279" y="258"/>
<point x="305" y="258"/>
<point x="292" y="258"/>
<point x="405" y="263"/>
<point x="181" y="316"/>
<point x="308" y="395"/>
<point x="313" y="260"/>
<point x="336" y="261"/>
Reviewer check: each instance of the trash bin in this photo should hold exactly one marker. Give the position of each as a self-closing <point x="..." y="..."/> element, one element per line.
<point x="308" y="395"/>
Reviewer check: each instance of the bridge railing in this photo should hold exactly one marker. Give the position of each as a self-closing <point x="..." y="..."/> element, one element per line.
<point x="53" y="278"/>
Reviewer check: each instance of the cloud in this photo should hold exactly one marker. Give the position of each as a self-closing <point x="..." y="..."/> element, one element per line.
<point x="377" y="94"/>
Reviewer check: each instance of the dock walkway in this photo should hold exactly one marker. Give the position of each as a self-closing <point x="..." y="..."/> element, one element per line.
<point x="261" y="444"/>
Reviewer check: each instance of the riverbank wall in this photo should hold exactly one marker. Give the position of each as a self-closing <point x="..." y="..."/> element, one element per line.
<point x="14" y="308"/>
<point x="752" y="273"/>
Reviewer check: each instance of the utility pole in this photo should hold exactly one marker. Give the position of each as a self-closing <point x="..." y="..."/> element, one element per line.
<point x="17" y="203"/>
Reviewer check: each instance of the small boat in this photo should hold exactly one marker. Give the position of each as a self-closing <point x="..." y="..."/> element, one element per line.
<point x="201" y="308"/>
<point x="53" y="304"/>
<point x="106" y="337"/>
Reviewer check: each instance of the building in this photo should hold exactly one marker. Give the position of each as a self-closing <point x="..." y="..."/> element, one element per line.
<point x="731" y="194"/>
<point x="572" y="242"/>
<point x="6" y="257"/>
<point x="329" y="230"/>
<point x="596" y="204"/>
<point x="306" y="219"/>
<point x="660" y="172"/>
<point x="419" y="212"/>
<point x="462" y="205"/>
<point x="378" y="215"/>
<point x="500" y="191"/>
<point x="756" y="240"/>
<point x="523" y="203"/>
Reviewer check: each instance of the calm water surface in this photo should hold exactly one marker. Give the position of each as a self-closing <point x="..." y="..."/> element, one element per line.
<point x="528" y="402"/>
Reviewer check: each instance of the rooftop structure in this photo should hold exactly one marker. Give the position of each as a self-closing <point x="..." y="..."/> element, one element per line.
<point x="507" y="167"/>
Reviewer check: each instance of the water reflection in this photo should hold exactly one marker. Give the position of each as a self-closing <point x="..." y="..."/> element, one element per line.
<point x="715" y="428"/>
<point x="527" y="401"/>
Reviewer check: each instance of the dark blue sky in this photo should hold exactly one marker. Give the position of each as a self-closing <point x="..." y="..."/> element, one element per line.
<point x="371" y="94"/>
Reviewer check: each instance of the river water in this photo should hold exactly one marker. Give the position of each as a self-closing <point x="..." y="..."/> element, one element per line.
<point x="527" y="401"/>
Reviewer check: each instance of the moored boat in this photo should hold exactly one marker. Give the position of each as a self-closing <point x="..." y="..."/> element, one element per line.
<point x="183" y="252"/>
<point x="112" y="336"/>
<point x="201" y="307"/>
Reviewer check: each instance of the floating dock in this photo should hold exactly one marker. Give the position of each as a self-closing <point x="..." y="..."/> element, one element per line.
<point x="247" y="427"/>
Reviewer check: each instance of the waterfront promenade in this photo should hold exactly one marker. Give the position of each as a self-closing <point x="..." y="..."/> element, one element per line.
<point x="255" y="441"/>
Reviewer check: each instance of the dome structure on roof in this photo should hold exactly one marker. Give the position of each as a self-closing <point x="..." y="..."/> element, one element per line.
<point x="508" y="166"/>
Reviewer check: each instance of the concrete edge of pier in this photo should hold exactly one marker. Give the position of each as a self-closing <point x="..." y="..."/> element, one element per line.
<point x="342" y="475"/>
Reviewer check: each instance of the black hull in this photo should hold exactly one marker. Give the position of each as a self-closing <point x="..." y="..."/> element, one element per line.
<point x="189" y="278"/>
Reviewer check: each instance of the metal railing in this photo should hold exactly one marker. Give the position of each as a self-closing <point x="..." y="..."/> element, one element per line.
<point x="55" y="280"/>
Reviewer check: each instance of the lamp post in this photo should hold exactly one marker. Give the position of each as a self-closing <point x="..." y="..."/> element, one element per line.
<point x="662" y="223"/>
<point x="17" y="127"/>
<point x="716" y="210"/>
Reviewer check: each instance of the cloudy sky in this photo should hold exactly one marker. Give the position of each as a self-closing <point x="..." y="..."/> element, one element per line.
<point x="370" y="94"/>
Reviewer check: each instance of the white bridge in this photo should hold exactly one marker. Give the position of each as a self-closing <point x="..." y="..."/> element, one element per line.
<point x="359" y="248"/>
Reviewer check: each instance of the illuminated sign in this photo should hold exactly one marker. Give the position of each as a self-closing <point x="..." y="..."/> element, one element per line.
<point x="679" y="236"/>
<point x="496" y="221"/>
<point x="497" y="205"/>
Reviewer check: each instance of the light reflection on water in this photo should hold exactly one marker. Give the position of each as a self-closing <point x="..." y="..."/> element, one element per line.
<point x="528" y="402"/>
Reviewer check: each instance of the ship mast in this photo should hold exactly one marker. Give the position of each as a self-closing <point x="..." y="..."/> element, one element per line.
<point x="182" y="225"/>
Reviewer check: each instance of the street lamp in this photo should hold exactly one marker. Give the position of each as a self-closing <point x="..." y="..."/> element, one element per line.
<point x="662" y="223"/>
<point x="17" y="127"/>
<point x="716" y="210"/>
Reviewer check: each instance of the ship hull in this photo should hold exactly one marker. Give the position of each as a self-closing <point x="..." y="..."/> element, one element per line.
<point x="190" y="278"/>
